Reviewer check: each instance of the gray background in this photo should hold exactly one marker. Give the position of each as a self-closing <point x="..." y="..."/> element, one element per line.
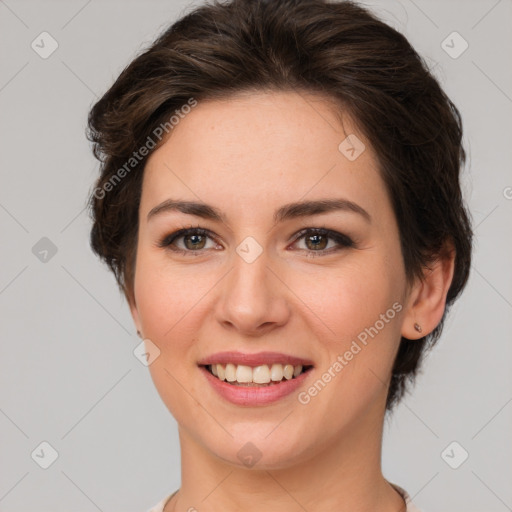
<point x="68" y="375"/>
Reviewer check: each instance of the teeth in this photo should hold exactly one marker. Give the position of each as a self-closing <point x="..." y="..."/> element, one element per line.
<point x="230" y="372"/>
<point x="276" y="373"/>
<point x="258" y="375"/>
<point x="243" y="373"/>
<point x="288" y="371"/>
<point x="261" y="374"/>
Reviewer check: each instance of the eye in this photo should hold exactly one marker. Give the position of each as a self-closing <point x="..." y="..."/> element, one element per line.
<point x="193" y="240"/>
<point x="317" y="240"/>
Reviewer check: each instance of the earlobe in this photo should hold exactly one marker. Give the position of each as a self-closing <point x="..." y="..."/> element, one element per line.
<point x="427" y="299"/>
<point x="135" y="315"/>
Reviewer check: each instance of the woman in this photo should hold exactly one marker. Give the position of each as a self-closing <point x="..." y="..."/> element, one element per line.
<point x="280" y="203"/>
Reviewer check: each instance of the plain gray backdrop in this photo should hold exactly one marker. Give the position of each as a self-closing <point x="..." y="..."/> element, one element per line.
<point x="68" y="375"/>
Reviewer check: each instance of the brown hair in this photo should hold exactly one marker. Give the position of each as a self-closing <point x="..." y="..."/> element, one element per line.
<point x="339" y="50"/>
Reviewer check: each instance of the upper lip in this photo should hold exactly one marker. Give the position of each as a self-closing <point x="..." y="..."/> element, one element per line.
<point x="256" y="359"/>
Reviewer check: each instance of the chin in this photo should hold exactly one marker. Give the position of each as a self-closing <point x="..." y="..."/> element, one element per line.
<point x="259" y="448"/>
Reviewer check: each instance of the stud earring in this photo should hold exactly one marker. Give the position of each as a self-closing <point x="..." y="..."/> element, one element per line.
<point x="418" y="327"/>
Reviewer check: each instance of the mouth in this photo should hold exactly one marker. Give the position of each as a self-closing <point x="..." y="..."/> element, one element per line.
<point x="255" y="379"/>
<point x="264" y="375"/>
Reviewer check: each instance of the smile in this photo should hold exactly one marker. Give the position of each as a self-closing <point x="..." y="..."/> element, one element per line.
<point x="243" y="375"/>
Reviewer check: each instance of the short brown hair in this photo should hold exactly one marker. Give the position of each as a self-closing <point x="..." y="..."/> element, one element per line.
<point x="339" y="50"/>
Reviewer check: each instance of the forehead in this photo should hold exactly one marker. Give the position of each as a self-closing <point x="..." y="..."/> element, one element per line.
<point x="258" y="148"/>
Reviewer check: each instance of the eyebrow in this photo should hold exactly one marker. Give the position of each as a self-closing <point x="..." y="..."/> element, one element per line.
<point x="286" y="212"/>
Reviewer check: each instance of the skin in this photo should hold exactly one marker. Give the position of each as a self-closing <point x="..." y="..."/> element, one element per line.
<point x="247" y="156"/>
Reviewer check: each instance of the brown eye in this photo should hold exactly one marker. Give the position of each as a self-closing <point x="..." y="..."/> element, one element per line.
<point x="193" y="242"/>
<point x="190" y="240"/>
<point x="316" y="242"/>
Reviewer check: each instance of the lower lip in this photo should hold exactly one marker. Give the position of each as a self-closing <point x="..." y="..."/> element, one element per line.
<point x="254" y="395"/>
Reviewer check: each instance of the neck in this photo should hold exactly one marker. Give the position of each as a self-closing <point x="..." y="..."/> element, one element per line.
<point x="344" y="474"/>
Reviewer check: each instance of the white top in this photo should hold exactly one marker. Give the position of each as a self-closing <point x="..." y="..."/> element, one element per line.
<point x="159" y="507"/>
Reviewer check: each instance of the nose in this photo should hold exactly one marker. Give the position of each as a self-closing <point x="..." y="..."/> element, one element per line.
<point x="253" y="299"/>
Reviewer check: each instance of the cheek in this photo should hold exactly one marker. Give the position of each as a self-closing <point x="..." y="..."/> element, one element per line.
<point x="351" y="297"/>
<point x="356" y="311"/>
<point x="167" y="298"/>
<point x="168" y="302"/>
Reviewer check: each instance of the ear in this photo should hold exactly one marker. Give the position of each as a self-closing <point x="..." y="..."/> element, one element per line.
<point x="427" y="298"/>
<point x="134" y="312"/>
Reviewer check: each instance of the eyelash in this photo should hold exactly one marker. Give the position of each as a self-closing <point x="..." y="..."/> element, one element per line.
<point x="343" y="240"/>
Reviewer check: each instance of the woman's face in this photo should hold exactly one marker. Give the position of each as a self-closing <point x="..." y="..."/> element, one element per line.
<point x="256" y="281"/>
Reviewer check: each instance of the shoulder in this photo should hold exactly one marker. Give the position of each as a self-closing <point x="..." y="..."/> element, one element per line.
<point x="411" y="507"/>
<point x="159" y="507"/>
